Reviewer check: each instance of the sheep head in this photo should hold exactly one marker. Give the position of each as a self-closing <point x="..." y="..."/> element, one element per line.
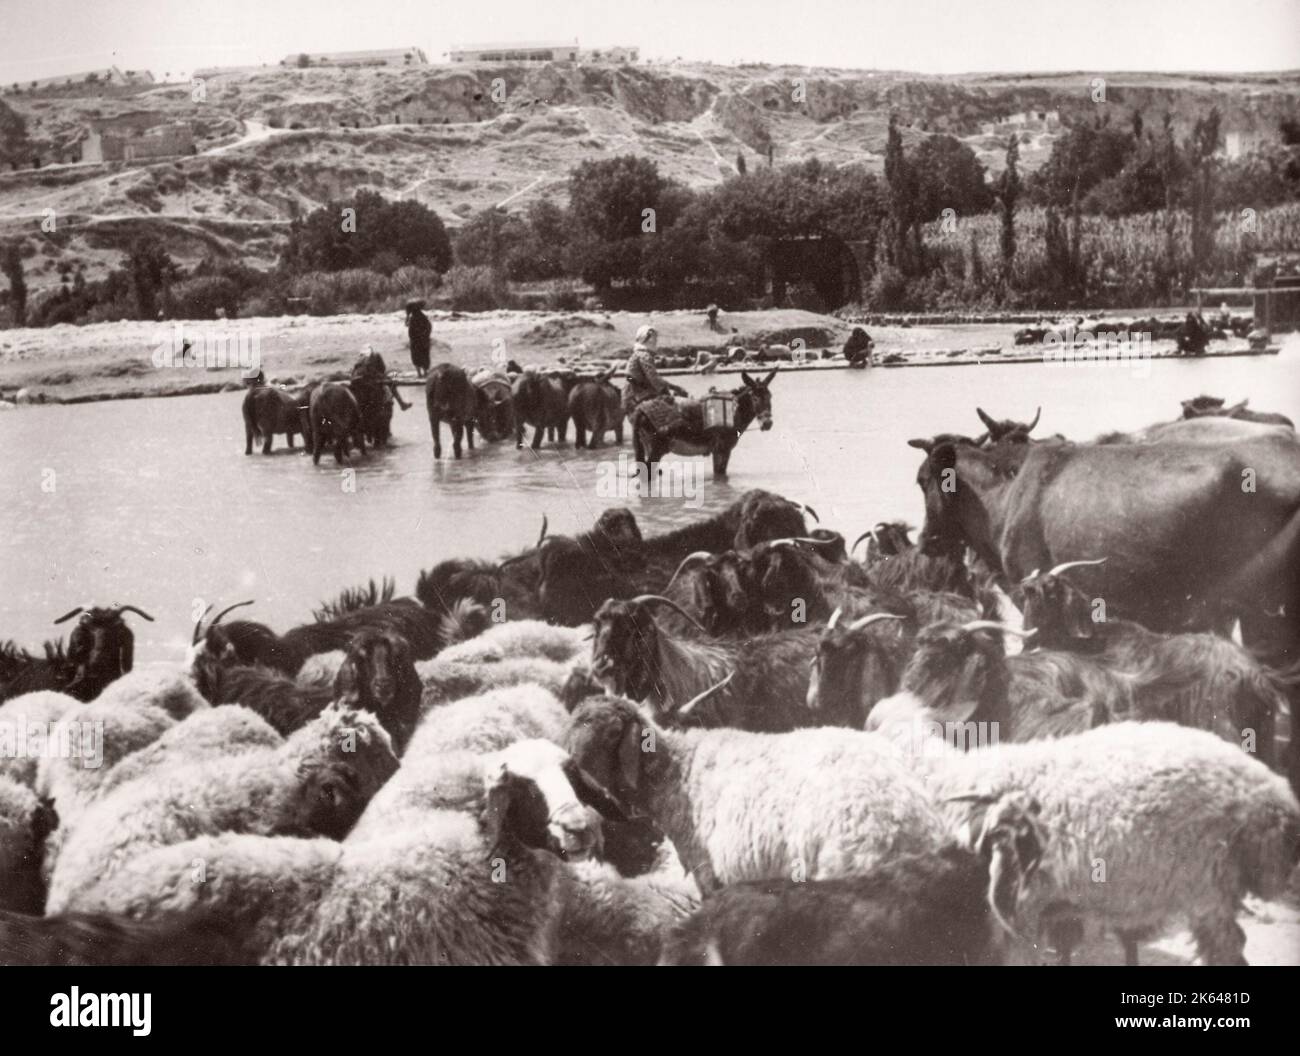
<point x="379" y="676"/>
<point x="101" y="648"/>
<point x="340" y="759"/>
<point x="537" y="795"/>
<point x="607" y="738"/>
<point x="856" y="665"/>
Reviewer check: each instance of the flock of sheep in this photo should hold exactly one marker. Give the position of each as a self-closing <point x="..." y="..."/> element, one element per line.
<point x="652" y="761"/>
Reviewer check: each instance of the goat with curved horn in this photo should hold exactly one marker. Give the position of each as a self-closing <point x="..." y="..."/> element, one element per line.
<point x="645" y="599"/>
<point x="1066" y="566"/>
<point x="699" y="698"/>
<point x="688" y="560"/>
<point x="809" y="511"/>
<point x="867" y="621"/>
<point x="993" y="625"/>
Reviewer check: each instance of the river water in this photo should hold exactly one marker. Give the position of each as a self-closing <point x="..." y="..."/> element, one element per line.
<point x="153" y="502"/>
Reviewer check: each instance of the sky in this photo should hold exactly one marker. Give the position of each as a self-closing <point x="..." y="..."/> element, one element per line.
<point x="40" y="38"/>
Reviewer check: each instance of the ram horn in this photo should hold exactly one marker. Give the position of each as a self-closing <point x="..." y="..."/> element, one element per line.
<point x="686" y="561"/>
<point x="1075" y="564"/>
<point x="993" y="625"/>
<point x="867" y="621"/>
<point x="198" y="625"/>
<point x="699" y="698"/>
<point x="1037" y="414"/>
<point x="645" y="599"/>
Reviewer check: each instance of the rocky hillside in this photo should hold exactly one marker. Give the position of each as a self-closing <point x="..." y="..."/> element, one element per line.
<point x="275" y="143"/>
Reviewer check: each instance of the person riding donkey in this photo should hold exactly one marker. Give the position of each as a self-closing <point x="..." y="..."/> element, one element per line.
<point x="643" y="380"/>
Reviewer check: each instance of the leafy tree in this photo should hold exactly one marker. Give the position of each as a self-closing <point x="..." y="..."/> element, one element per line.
<point x="1008" y="193"/>
<point x="331" y="238"/>
<point x="1081" y="158"/>
<point x="948" y="176"/>
<point x="607" y="198"/>
<point x="151" y="271"/>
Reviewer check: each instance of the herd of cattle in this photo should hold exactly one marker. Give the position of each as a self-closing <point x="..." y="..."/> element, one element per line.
<point x="341" y="415"/>
<point x="737" y="742"/>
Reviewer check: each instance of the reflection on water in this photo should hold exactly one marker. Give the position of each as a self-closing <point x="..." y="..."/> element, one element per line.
<point x="153" y="502"/>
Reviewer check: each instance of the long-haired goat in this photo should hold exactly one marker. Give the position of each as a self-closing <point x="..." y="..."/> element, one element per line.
<point x="100" y="649"/>
<point x="1193" y="679"/>
<point x="377" y="675"/>
<point x="954" y="905"/>
<point x="757" y="684"/>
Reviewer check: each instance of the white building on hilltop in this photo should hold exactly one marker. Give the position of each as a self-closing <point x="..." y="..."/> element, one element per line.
<point x="380" y="57"/>
<point x="517" y="52"/>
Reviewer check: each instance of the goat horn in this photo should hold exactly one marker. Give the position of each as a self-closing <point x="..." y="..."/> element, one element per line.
<point x="69" y="615"/>
<point x="543" y="535"/>
<point x="971" y="797"/>
<point x="686" y="708"/>
<point x="1038" y="414"/>
<point x="993" y="625"/>
<point x="865" y="535"/>
<point x="138" y="612"/>
<point x="1075" y="564"/>
<point x="511" y="560"/>
<point x="867" y="621"/>
<point x="686" y="561"/>
<point x="229" y="608"/>
<point x="198" y="625"/>
<point x="835" y="618"/>
<point x="796" y="539"/>
<point x="809" y="510"/>
<point x="645" y="599"/>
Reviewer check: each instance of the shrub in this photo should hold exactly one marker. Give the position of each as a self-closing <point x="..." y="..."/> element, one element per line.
<point x="477" y="289"/>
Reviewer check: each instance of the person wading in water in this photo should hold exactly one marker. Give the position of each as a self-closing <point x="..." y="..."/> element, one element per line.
<point x="419" y="330"/>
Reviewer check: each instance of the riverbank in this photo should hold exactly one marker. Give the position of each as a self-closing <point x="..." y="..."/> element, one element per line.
<point x="133" y="359"/>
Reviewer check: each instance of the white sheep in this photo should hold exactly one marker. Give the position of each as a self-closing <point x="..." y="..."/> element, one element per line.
<point x="518" y="639"/>
<point x="489" y="721"/>
<point x="316" y="783"/>
<point x="166" y="686"/>
<point x="216" y="733"/>
<point x="612" y="919"/>
<point x="321" y="669"/>
<point x="21" y="720"/>
<point x="809" y="804"/>
<point x="1179" y="824"/>
<point x="446" y="680"/>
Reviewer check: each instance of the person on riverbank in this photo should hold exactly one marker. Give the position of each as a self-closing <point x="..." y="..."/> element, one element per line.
<point x="420" y="331"/>
<point x="643" y="381"/>
<point x="857" y="349"/>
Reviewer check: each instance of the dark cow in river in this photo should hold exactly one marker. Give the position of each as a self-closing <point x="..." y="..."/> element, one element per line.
<point x="596" y="408"/>
<point x="269" y="410"/>
<point x="449" y="396"/>
<point x="334" y="418"/>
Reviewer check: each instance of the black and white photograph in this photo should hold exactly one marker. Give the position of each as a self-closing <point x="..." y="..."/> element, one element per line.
<point x="697" y="483"/>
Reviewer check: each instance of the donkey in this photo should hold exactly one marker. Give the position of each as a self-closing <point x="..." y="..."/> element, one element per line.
<point x="689" y="435"/>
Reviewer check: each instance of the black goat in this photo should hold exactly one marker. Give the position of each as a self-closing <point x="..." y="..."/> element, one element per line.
<point x="377" y="675"/>
<point x="100" y="650"/>
<point x="757" y="683"/>
<point x="1195" y="679"/>
<point x="955" y="905"/>
<point x="961" y="674"/>
<point x="426" y="632"/>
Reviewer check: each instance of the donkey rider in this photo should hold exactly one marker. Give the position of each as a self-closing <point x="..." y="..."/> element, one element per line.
<point x="643" y="381"/>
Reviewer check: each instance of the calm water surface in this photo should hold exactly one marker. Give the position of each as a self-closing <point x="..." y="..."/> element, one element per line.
<point x="153" y="502"/>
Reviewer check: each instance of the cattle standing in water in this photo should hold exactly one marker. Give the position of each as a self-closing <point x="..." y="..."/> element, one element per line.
<point x="495" y="413"/>
<point x="335" y="418"/>
<point x="449" y="395"/>
<point x="542" y="402"/>
<point x="375" y="395"/>
<point x="595" y="406"/>
<point x="269" y="410"/>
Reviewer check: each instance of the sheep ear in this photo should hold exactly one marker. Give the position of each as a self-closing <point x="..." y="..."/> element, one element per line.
<point x="592" y="792"/>
<point x="493" y="818"/>
<point x="629" y="755"/>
